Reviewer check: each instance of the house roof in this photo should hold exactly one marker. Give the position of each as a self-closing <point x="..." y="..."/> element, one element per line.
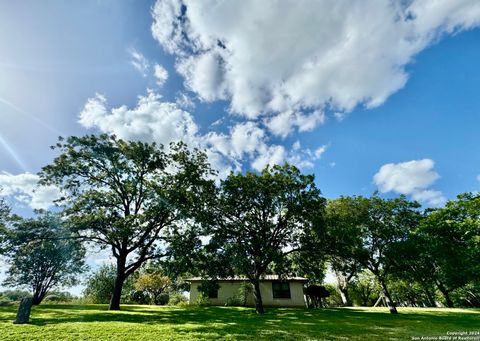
<point x="241" y="279"/>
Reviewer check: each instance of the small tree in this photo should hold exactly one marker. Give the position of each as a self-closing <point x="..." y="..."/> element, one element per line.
<point x="43" y="256"/>
<point x="131" y="197"/>
<point x="261" y="218"/>
<point x="153" y="284"/>
<point x="100" y="285"/>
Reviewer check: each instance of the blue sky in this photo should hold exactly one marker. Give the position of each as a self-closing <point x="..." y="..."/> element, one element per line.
<point x="349" y="92"/>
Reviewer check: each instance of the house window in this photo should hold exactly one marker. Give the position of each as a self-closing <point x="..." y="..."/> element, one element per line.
<point x="213" y="293"/>
<point x="281" y="290"/>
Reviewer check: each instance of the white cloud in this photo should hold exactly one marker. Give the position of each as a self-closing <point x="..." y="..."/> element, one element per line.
<point x="139" y="62"/>
<point x="284" y="123"/>
<point x="151" y="120"/>
<point x="410" y="178"/>
<point x="273" y="155"/>
<point x="161" y="74"/>
<point x="163" y="122"/>
<point x="478" y="178"/>
<point x="24" y="189"/>
<point x="272" y="57"/>
<point x="319" y="151"/>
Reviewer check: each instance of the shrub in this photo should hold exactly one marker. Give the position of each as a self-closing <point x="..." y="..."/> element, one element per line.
<point x="334" y="300"/>
<point x="177" y="299"/>
<point x="202" y="301"/>
<point x="163" y="299"/>
<point x="234" y="301"/>
<point x="59" y="296"/>
<point x="4" y="301"/>
<point x="15" y="295"/>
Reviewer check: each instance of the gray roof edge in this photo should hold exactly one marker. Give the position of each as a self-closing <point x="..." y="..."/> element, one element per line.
<point x="241" y="279"/>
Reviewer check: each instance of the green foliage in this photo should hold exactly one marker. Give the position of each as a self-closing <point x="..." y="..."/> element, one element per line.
<point x="208" y="287"/>
<point x="244" y="292"/>
<point x="450" y="238"/>
<point x="234" y="301"/>
<point x="364" y="289"/>
<point x="60" y="297"/>
<point x="467" y="296"/>
<point x="177" y="299"/>
<point x="15" y="295"/>
<point x="334" y="300"/>
<point x="154" y="284"/>
<point x="202" y="300"/>
<point x="43" y="255"/>
<point x="259" y="219"/>
<point x="100" y="285"/>
<point x="344" y="218"/>
<point x="241" y="297"/>
<point x="5" y="219"/>
<point x="130" y="197"/>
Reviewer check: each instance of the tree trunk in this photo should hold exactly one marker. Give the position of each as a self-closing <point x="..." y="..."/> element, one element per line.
<point x="391" y="305"/>
<point x="258" y="297"/>
<point x="37" y="299"/>
<point x="344" y="296"/>
<point x="342" y="284"/>
<point x="38" y="296"/>
<point x="445" y="294"/>
<point x="431" y="300"/>
<point x="119" y="280"/>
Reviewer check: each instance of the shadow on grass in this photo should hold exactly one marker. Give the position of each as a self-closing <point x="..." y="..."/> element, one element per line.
<point x="278" y="323"/>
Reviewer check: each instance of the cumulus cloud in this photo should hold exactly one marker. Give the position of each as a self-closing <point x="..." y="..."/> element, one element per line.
<point x="410" y="178"/>
<point x="24" y="189"/>
<point x="286" y="57"/>
<point x="153" y="119"/>
<point x="284" y="123"/>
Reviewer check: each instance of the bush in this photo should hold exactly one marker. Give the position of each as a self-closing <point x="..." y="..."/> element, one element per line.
<point x="4" y="301"/>
<point x="177" y="299"/>
<point x="100" y="285"/>
<point x="334" y="300"/>
<point x="163" y="299"/>
<point x="234" y="301"/>
<point x="15" y="295"/>
<point x="59" y="296"/>
<point x="138" y="297"/>
<point x="202" y="301"/>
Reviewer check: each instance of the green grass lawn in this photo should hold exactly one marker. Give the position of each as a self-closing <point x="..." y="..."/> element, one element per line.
<point x="95" y="322"/>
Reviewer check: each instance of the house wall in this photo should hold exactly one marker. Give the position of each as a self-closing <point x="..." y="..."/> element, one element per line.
<point x="231" y="288"/>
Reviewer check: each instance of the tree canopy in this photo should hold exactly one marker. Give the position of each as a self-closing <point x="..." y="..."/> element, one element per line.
<point x="129" y="196"/>
<point x="259" y="219"/>
<point x="43" y="255"/>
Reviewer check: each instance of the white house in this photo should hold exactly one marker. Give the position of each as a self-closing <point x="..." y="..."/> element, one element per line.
<point x="287" y="292"/>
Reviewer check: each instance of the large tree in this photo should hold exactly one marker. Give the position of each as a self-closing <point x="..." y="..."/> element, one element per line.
<point x="132" y="197"/>
<point x="387" y="222"/>
<point x="343" y="219"/>
<point x="261" y="218"/>
<point x="451" y="248"/>
<point x="43" y="255"/>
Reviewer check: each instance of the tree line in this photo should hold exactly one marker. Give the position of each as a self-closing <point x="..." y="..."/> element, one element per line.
<point x="152" y="204"/>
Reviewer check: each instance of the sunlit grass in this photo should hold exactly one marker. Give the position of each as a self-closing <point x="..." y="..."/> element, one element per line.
<point x="95" y="322"/>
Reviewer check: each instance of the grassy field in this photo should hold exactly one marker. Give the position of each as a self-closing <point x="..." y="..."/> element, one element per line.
<point x="95" y="322"/>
